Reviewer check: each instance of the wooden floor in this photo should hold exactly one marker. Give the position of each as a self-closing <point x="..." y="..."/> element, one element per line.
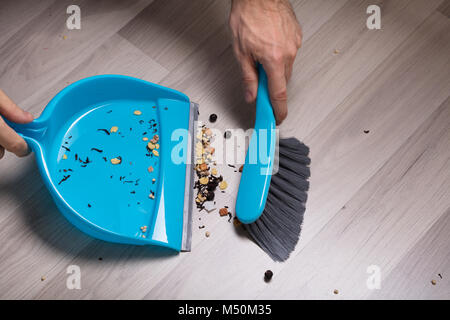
<point x="380" y="198"/>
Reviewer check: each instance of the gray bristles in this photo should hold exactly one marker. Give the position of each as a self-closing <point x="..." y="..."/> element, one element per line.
<point x="278" y="229"/>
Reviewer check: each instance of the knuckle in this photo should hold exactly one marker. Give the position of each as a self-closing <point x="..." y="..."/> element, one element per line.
<point x="277" y="56"/>
<point x="17" y="147"/>
<point x="246" y="78"/>
<point x="292" y="52"/>
<point x="280" y="95"/>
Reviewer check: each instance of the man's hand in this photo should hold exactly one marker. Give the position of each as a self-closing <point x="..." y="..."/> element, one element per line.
<point x="9" y="139"/>
<point x="266" y="31"/>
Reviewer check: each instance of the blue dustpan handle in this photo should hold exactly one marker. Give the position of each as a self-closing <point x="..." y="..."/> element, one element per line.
<point x="31" y="132"/>
<point x="256" y="175"/>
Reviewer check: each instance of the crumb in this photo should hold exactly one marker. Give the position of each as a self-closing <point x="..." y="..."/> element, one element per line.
<point x="336" y="291"/>
<point x="117" y="160"/>
<point x="223" y="212"/>
<point x="137" y="112"/>
<point x="43" y="278"/>
<point x="114" y="129"/>
<point x="150" y="169"/>
<point x="207" y="234"/>
<point x="268" y="275"/>
<point x="241" y="168"/>
<point x="366" y="131"/>
<point x="213" y="118"/>
<point x="223" y="185"/>
<point x="64" y="156"/>
<point x="433" y="282"/>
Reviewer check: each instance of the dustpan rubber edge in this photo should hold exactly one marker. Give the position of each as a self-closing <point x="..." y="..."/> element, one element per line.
<point x="189" y="182"/>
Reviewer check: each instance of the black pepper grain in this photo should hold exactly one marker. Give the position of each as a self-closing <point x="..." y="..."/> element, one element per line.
<point x="213" y="118"/>
<point x="268" y="275"/>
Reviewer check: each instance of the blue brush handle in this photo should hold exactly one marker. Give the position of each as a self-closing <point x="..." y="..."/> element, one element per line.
<point x="257" y="172"/>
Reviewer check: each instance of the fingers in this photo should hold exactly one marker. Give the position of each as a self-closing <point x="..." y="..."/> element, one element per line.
<point x="11" y="141"/>
<point x="11" y="111"/>
<point x="276" y="80"/>
<point x="249" y="78"/>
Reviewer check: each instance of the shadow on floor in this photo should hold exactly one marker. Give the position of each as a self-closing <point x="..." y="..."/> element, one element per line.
<point x="41" y="217"/>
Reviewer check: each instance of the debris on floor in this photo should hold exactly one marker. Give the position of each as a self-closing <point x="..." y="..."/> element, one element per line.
<point x="268" y="275"/>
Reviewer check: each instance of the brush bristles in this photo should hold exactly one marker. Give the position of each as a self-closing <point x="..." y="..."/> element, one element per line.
<point x="278" y="229"/>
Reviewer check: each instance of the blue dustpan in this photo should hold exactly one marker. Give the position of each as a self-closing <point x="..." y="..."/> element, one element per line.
<point x="92" y="147"/>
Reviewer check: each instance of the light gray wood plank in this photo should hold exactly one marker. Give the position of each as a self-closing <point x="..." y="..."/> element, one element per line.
<point x="428" y="260"/>
<point x="322" y="79"/>
<point x="15" y="14"/>
<point x="444" y="8"/>
<point x="169" y="31"/>
<point x="37" y="56"/>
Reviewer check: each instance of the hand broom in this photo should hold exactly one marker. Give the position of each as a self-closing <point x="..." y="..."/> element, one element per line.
<point x="271" y="206"/>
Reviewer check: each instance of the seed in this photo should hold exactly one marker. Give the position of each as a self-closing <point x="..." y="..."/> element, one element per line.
<point x="207" y="234"/>
<point x="223" y="212"/>
<point x="117" y="160"/>
<point x="43" y="278"/>
<point x="156" y="137"/>
<point x="64" y="156"/>
<point x="145" y="139"/>
<point x="213" y="118"/>
<point x="336" y="291"/>
<point x="156" y="153"/>
<point x="204" y="180"/>
<point x="214" y="171"/>
<point x="223" y="185"/>
<point x="150" y="169"/>
<point x="114" y="129"/>
<point x="153" y="180"/>
<point x="150" y="146"/>
<point x="268" y="275"/>
<point x="208" y="132"/>
<point x="336" y="51"/>
<point x="433" y="282"/>
<point x="137" y="112"/>
<point x="151" y="196"/>
<point x="366" y="131"/>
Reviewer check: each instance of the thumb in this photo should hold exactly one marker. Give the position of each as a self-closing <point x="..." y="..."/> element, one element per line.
<point x="249" y="78"/>
<point x="11" y="111"/>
